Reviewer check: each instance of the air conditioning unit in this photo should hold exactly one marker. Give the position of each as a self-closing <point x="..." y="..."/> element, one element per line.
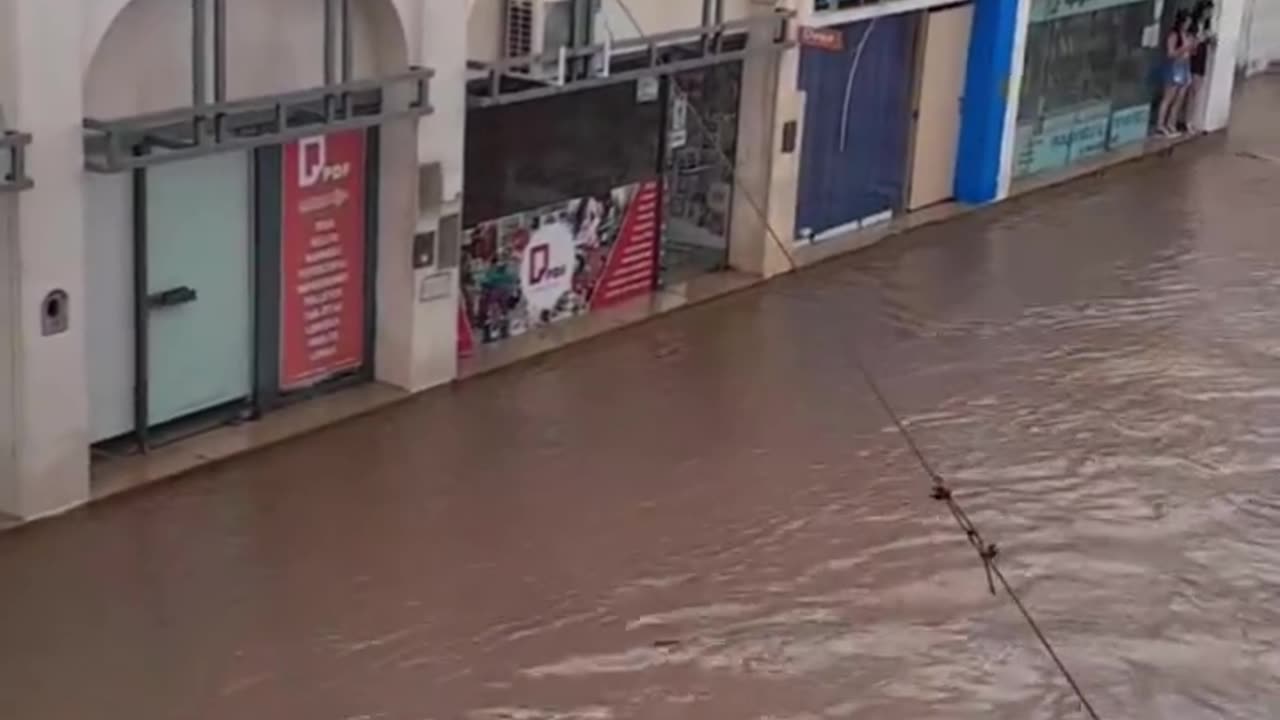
<point x="539" y="28"/>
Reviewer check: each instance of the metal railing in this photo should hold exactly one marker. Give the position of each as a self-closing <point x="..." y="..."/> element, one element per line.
<point x="123" y="144"/>
<point x="567" y="69"/>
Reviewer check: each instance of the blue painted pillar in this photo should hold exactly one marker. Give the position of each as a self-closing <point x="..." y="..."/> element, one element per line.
<point x="987" y="93"/>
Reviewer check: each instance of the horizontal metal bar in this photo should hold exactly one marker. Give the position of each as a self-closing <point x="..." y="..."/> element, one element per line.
<point x="168" y="117"/>
<point x="15" y="145"/>
<point x="778" y="19"/>
<point x="242" y="124"/>
<point x="620" y="76"/>
<point x="836" y="17"/>
<point x="129" y="162"/>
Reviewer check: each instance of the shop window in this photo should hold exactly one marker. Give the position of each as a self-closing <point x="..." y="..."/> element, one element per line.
<point x="537" y="153"/>
<point x="1088" y="81"/>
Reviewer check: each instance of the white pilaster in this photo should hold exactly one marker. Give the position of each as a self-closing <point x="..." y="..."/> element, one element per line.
<point x="48" y="468"/>
<point x="1017" y="68"/>
<point x="417" y="307"/>
<point x="752" y="245"/>
<point x="1215" y="99"/>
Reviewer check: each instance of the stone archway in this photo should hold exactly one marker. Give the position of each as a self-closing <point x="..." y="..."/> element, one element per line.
<point x="137" y="52"/>
<point x="137" y="60"/>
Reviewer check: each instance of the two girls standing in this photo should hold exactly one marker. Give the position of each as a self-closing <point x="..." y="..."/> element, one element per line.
<point x="1186" y="59"/>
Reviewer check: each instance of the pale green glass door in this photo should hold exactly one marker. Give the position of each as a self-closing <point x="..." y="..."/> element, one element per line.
<point x="199" y="303"/>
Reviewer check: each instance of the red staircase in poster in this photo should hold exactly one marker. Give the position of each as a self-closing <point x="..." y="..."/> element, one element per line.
<point x="632" y="268"/>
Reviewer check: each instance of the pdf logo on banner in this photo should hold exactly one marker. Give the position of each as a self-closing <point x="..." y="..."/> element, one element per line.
<point x="322" y="258"/>
<point x="546" y="274"/>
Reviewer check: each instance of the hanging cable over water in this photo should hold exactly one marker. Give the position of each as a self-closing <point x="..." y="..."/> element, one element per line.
<point x="988" y="552"/>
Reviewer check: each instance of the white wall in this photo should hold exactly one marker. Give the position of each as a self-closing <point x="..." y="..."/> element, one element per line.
<point x="8" y="381"/>
<point x="108" y="329"/>
<point x="484" y="30"/>
<point x="71" y="232"/>
<point x="1017" y="68"/>
<point x="142" y="64"/>
<point x="617" y="20"/>
<point x="647" y="17"/>
<point x="48" y="469"/>
<point x="431" y="351"/>
<point x="8" y="289"/>
<point x="1260" y="44"/>
<point x="1214" y="104"/>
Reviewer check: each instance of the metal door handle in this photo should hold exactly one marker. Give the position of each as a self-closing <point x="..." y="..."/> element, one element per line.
<point x="171" y="297"/>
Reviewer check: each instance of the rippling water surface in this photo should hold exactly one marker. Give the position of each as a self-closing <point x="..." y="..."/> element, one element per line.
<point x="709" y="517"/>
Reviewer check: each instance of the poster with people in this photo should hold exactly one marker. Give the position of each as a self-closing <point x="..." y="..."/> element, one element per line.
<point x="539" y="267"/>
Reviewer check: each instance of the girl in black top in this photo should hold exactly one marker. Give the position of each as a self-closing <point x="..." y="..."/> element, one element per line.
<point x="1201" y="30"/>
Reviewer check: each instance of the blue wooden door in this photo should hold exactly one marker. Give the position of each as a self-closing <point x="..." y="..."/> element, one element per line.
<point x="857" y="121"/>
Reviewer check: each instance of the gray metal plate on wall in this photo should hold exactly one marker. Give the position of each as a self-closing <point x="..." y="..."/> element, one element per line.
<point x="448" y="243"/>
<point x="436" y="286"/>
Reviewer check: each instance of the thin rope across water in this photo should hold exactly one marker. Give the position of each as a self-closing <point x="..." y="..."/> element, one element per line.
<point x="987" y="552"/>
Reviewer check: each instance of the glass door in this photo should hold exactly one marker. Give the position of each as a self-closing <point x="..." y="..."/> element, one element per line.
<point x="198" y="293"/>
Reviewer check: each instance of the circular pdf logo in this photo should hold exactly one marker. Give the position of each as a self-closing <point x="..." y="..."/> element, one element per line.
<point x="546" y="273"/>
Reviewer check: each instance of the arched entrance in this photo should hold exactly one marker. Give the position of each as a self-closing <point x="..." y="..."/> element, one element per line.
<point x="208" y="251"/>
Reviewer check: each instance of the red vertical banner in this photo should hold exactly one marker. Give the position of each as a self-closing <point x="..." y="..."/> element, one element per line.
<point x="322" y="303"/>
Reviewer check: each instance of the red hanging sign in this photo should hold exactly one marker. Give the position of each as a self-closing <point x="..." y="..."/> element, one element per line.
<point x="322" y="258"/>
<point x="830" y="39"/>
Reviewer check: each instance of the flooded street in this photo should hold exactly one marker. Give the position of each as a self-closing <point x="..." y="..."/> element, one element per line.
<point x="709" y="517"/>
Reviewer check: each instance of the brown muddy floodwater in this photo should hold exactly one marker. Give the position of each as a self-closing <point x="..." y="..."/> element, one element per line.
<point x="709" y="518"/>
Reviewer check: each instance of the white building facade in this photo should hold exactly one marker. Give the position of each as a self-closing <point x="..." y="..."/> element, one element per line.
<point x="1260" y="40"/>
<point x="246" y="203"/>
<point x="154" y="229"/>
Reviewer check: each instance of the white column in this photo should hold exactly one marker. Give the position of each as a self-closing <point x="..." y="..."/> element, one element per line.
<point x="8" y="376"/>
<point x="1017" y="69"/>
<point x="417" y="307"/>
<point x="47" y="469"/>
<point x="784" y="176"/>
<point x="752" y="247"/>
<point x="1214" y="104"/>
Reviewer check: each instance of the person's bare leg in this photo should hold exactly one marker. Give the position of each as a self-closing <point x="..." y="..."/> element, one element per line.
<point x="1188" y="105"/>
<point x="1179" y="106"/>
<point x="1162" y="115"/>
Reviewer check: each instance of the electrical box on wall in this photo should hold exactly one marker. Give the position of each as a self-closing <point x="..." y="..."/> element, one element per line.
<point x="789" y="131"/>
<point x="424" y="250"/>
<point x="449" y="242"/>
<point x="430" y="187"/>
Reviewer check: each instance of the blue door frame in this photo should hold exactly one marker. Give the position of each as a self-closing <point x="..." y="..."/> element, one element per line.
<point x="987" y="91"/>
<point x="989" y="88"/>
